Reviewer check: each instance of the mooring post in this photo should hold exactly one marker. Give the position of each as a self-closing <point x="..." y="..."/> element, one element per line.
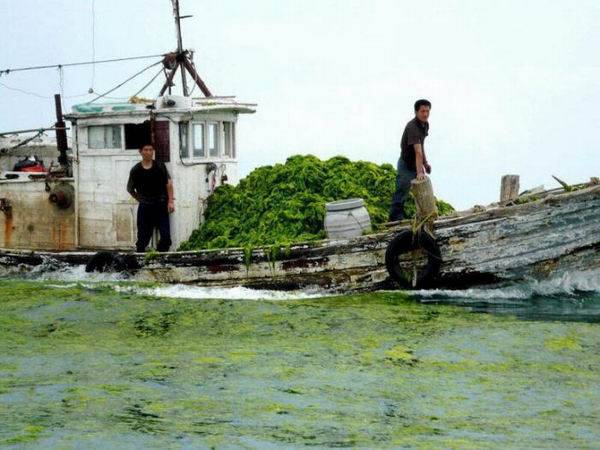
<point x="509" y="188"/>
<point x="427" y="211"/>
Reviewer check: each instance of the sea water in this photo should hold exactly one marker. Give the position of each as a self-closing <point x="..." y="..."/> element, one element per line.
<point x="101" y="361"/>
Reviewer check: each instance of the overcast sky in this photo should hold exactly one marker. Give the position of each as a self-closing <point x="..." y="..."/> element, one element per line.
<point x="515" y="85"/>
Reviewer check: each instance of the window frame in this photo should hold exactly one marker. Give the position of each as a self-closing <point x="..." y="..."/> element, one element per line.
<point x="216" y="136"/>
<point x="228" y="132"/>
<point x="184" y="125"/>
<point x="193" y="155"/>
<point x="220" y="140"/>
<point x="120" y="148"/>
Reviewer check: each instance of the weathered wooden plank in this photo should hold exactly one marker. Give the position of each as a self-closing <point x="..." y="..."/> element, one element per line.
<point x="425" y="202"/>
<point x="509" y="188"/>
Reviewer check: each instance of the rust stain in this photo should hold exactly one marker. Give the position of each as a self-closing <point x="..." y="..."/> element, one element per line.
<point x="61" y="234"/>
<point x="8" y="228"/>
<point x="60" y="243"/>
<point x="53" y="236"/>
<point x="35" y="223"/>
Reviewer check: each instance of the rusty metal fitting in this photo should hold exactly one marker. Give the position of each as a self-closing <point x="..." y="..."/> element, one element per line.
<point x="62" y="196"/>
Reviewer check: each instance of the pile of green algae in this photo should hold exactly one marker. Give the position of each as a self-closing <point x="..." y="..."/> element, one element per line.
<point x="95" y="366"/>
<point x="285" y="203"/>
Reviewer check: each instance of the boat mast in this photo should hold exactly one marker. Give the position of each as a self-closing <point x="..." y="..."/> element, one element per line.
<point x="181" y="59"/>
<point x="179" y="42"/>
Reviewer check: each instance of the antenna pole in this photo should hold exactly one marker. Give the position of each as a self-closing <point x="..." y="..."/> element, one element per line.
<point x="177" y="25"/>
<point x="181" y="60"/>
<point x="180" y="54"/>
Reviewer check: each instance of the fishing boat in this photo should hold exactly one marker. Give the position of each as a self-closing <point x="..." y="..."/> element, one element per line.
<point x="555" y="232"/>
<point x="78" y="212"/>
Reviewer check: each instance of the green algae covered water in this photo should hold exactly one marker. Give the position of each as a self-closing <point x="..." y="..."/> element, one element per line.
<point x="123" y="365"/>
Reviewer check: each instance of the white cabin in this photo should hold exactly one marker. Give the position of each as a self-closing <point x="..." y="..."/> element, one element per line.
<point x="194" y="137"/>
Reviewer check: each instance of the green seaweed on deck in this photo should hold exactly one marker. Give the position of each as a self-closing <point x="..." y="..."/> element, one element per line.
<point x="150" y="256"/>
<point x="285" y="203"/>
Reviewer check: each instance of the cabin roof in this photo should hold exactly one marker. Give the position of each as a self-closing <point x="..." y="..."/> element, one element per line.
<point x="136" y="107"/>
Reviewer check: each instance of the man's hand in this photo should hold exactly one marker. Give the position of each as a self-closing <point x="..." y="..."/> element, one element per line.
<point x="171" y="206"/>
<point x="427" y="167"/>
<point x="421" y="176"/>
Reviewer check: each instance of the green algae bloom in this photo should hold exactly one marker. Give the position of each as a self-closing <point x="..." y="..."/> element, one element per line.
<point x="93" y="366"/>
<point x="285" y="203"/>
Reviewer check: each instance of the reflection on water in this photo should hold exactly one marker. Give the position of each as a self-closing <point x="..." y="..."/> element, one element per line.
<point x="569" y="297"/>
<point x="578" y="308"/>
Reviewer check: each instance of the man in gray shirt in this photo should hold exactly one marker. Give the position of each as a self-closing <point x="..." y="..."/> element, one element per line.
<point x="412" y="162"/>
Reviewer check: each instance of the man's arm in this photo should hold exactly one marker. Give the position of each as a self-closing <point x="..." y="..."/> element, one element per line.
<point x="131" y="189"/>
<point x="426" y="164"/>
<point x="171" y="199"/>
<point x="419" y="158"/>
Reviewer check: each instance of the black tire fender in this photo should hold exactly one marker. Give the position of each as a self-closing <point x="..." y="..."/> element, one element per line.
<point x="111" y="262"/>
<point x="405" y="242"/>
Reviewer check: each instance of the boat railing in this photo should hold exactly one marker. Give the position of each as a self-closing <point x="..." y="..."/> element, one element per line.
<point x="10" y="176"/>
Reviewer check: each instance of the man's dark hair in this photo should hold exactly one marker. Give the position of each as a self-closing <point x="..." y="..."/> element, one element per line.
<point x="147" y="144"/>
<point x="421" y="102"/>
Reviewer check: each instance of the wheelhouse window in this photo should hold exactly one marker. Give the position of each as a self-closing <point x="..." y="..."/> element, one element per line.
<point x="228" y="128"/>
<point x="209" y="139"/>
<point x="198" y="144"/>
<point x="104" y="137"/>
<point x="213" y="139"/>
<point x="184" y="150"/>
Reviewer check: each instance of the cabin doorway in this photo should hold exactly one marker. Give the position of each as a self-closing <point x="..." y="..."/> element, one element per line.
<point x="137" y="135"/>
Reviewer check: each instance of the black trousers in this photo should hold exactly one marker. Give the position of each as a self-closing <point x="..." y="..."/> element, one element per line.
<point x="149" y="217"/>
<point x="403" y="180"/>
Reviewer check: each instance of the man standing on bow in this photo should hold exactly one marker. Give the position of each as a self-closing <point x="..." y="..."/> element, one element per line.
<point x="150" y="184"/>
<point x="413" y="162"/>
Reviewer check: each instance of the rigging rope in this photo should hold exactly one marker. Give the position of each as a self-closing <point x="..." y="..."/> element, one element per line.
<point x="24" y="91"/>
<point x="7" y="71"/>
<point x="39" y="95"/>
<point x="127" y="80"/>
<point x="148" y="83"/>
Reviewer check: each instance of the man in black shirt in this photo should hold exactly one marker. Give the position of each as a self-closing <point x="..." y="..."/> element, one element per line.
<point x="412" y="163"/>
<point x="150" y="184"/>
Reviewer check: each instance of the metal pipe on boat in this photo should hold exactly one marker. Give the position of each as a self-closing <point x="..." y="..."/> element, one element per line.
<point x="61" y="134"/>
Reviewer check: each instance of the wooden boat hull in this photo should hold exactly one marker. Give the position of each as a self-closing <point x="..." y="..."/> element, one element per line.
<point x="555" y="234"/>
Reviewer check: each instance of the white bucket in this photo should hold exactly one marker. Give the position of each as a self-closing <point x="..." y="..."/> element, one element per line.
<point x="347" y="219"/>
